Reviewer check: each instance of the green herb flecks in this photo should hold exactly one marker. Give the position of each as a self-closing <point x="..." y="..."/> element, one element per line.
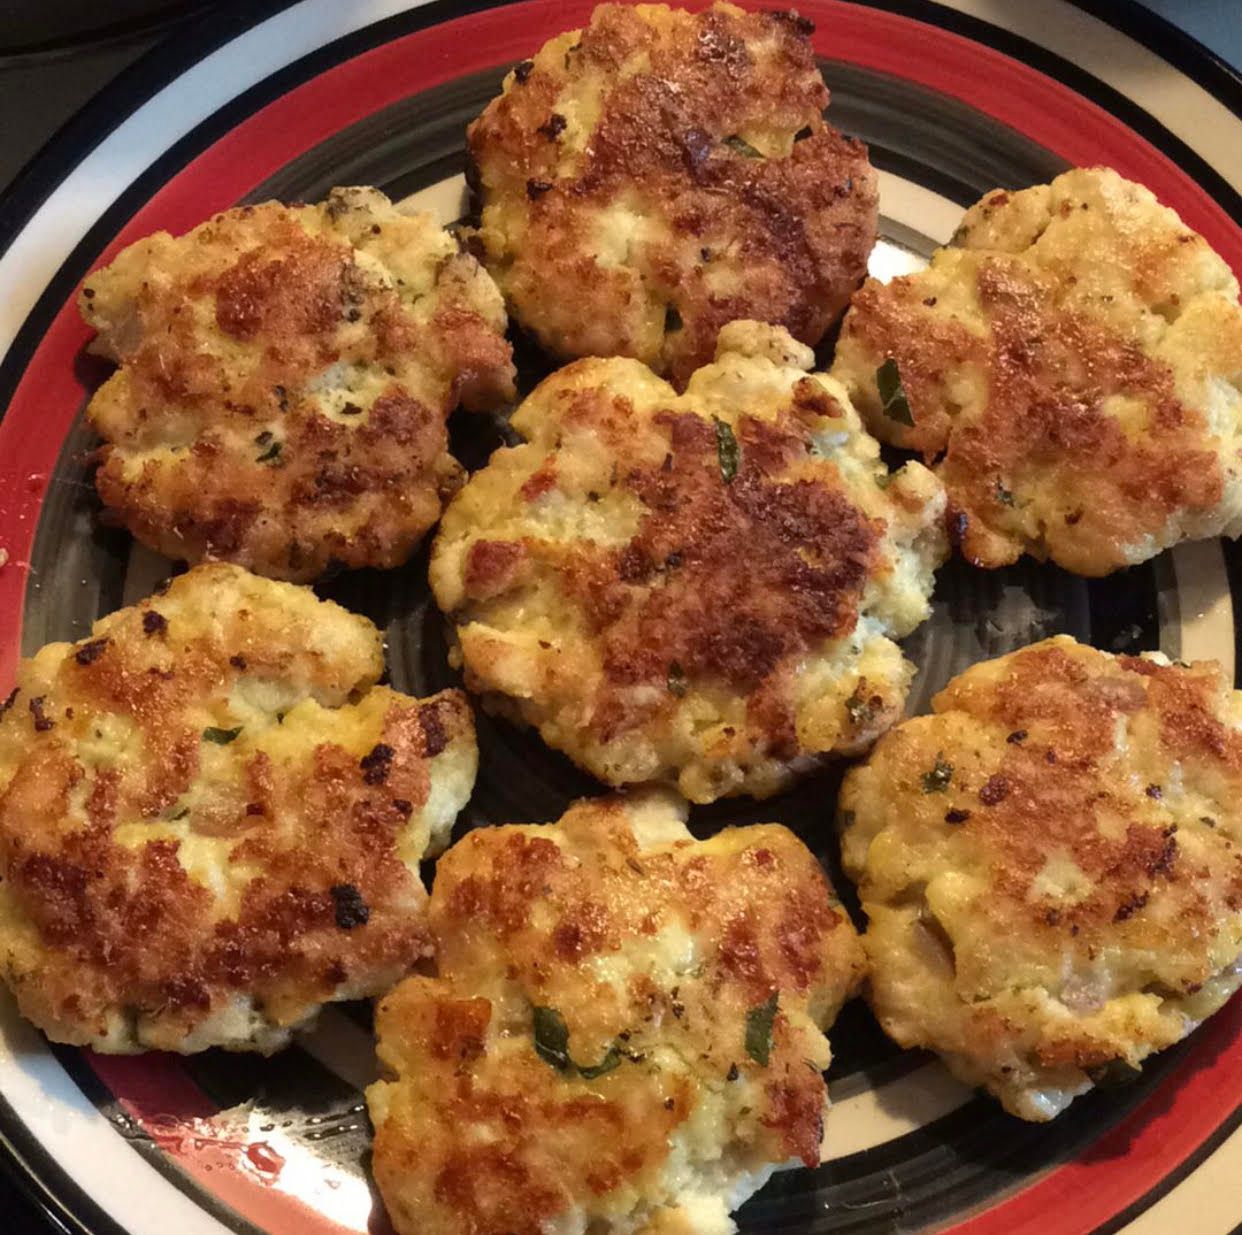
<point x="609" y="1061"/>
<point x="552" y="1046"/>
<point x="1003" y="496"/>
<point x="742" y="147"/>
<point x="759" y="1030"/>
<point x="727" y="450"/>
<point x="270" y="454"/>
<point x="937" y="780"/>
<point x="551" y="1038"/>
<point x="893" y="399"/>
<point x="221" y="737"/>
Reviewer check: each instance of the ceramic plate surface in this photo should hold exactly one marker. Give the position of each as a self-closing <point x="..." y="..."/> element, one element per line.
<point x="285" y="101"/>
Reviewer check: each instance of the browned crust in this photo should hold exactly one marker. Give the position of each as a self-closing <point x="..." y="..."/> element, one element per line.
<point x="1049" y="782"/>
<point x="515" y="905"/>
<point x="314" y="490"/>
<point x="1060" y="789"/>
<point x="792" y="231"/>
<point x="729" y="583"/>
<point x="1048" y="372"/>
<point x="124" y="928"/>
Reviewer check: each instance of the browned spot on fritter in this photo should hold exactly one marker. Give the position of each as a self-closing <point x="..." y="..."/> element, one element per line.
<point x="763" y="570"/>
<point x="514" y="910"/>
<point x="121" y="927"/>
<point x="492" y="567"/>
<point x="303" y="292"/>
<point x="1082" y="806"/>
<point x="1046" y="393"/>
<point x="796" y="1114"/>
<point x="258" y="472"/>
<point x="791" y="232"/>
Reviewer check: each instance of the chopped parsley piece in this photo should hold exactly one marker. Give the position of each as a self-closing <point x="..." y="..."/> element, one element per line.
<point x="181" y="814"/>
<point x="551" y="1038"/>
<point x="742" y="147"/>
<point x="759" y="1030"/>
<point x="377" y="763"/>
<point x="937" y="780"/>
<point x="676" y="680"/>
<point x="41" y="722"/>
<point x="270" y="454"/>
<point x="893" y="399"/>
<point x="552" y="1046"/>
<point x="1003" y="495"/>
<point x="727" y="450"/>
<point x="553" y="127"/>
<point x="221" y="737"/>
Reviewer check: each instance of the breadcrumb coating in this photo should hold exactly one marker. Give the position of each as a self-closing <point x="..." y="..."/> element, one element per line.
<point x="1074" y="359"/>
<point x="1051" y="868"/>
<point x="660" y="173"/>
<point x="701" y="589"/>
<point x="211" y="819"/>
<point x="626" y="1033"/>
<point x="285" y="377"/>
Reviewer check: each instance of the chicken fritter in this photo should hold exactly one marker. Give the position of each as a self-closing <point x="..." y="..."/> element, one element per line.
<point x="1074" y="357"/>
<point x="211" y="819"/>
<point x="286" y="374"/>
<point x="701" y="589"/>
<point x="626" y="1033"/>
<point x="660" y="173"/>
<point x="1051" y="867"/>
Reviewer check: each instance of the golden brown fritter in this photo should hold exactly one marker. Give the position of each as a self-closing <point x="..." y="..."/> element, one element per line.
<point x="1051" y="866"/>
<point x="211" y="819"/>
<point x="660" y="173"/>
<point x="285" y="378"/>
<point x="1075" y="357"/>
<point x="700" y="588"/>
<point x="626" y="1033"/>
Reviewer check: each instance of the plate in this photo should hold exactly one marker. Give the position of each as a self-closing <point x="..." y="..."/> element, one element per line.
<point x="285" y="101"/>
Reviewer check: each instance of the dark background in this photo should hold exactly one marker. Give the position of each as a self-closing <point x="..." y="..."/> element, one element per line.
<point x="55" y="55"/>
